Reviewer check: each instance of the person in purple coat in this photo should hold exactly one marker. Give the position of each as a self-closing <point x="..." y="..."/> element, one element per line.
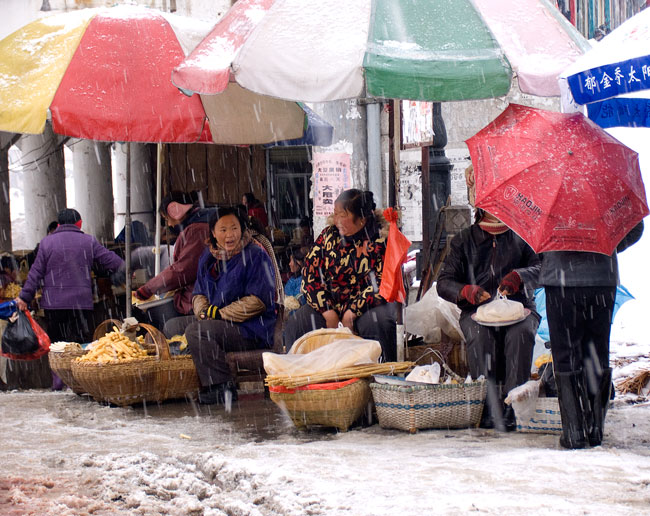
<point x="63" y="269"/>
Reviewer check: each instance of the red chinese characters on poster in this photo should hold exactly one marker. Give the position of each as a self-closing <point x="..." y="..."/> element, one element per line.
<point x="331" y="177"/>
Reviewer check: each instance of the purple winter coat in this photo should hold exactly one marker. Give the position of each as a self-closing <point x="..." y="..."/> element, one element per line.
<point x="63" y="265"/>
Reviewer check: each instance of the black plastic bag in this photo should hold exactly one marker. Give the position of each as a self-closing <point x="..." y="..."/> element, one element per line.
<point x="19" y="337"/>
<point x="547" y="376"/>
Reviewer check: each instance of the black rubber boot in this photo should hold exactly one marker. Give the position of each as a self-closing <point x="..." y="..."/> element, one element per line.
<point x="487" y="419"/>
<point x="509" y="419"/>
<point x="217" y="393"/>
<point x="599" y="403"/>
<point x="574" y="409"/>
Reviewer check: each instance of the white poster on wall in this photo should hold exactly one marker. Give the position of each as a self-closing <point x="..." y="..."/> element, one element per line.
<point x="331" y="177"/>
<point x="410" y="196"/>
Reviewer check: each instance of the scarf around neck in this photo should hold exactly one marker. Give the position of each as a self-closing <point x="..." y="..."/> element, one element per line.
<point x="490" y="224"/>
<point x="221" y="255"/>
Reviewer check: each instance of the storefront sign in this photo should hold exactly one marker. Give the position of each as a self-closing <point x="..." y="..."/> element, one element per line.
<point x="331" y="177"/>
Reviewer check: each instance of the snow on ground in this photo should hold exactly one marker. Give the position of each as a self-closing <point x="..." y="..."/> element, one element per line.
<point x="67" y="455"/>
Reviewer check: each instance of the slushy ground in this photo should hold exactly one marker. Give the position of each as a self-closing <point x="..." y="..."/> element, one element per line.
<point x="64" y="454"/>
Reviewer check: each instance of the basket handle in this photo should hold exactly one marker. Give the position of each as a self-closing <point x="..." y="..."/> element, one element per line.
<point x="436" y="353"/>
<point x="159" y="340"/>
<point x="103" y="327"/>
<point x="162" y="348"/>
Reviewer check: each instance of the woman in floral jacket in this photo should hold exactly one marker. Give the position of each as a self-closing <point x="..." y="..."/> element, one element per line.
<point x="342" y="274"/>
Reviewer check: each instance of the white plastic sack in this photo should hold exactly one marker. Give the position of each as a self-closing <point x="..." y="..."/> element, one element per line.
<point x="432" y="314"/>
<point x="523" y="399"/>
<point x="328" y="358"/>
<point x="501" y="309"/>
<point x="426" y="374"/>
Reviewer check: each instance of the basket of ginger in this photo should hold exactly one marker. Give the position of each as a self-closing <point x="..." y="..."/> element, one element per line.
<point x="123" y="371"/>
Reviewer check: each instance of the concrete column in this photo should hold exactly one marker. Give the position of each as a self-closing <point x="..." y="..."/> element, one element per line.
<point x="93" y="188"/>
<point x="6" y="141"/>
<point x="142" y="185"/>
<point x="43" y="171"/>
<point x="375" y="173"/>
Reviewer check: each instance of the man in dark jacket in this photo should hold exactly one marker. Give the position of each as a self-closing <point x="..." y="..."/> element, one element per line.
<point x="580" y="293"/>
<point x="63" y="268"/>
<point x="484" y="259"/>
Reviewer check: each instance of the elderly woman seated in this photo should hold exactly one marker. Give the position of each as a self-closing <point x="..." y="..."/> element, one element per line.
<point x="233" y="302"/>
<point x="342" y="274"/>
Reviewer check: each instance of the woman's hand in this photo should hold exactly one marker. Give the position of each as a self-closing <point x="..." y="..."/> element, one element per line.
<point x="21" y="304"/>
<point x="348" y="319"/>
<point x="331" y="319"/>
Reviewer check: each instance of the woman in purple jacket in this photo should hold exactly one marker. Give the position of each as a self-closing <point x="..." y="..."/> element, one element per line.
<point x="63" y="269"/>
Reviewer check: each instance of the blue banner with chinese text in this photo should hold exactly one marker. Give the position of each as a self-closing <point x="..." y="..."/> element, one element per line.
<point x="610" y="80"/>
<point x="620" y="112"/>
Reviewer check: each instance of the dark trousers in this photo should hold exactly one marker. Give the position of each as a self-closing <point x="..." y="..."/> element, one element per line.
<point x="70" y="325"/>
<point x="209" y="341"/>
<point x="502" y="354"/>
<point x="579" y="322"/>
<point x="376" y="324"/>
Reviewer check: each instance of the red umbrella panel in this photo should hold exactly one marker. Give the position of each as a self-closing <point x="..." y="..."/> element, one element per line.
<point x="557" y="180"/>
<point x="117" y="86"/>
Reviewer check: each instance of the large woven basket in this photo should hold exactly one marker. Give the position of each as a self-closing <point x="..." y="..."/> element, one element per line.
<point x="61" y="365"/>
<point x="154" y="378"/>
<point x="545" y="420"/>
<point x="335" y="404"/>
<point x="417" y="407"/>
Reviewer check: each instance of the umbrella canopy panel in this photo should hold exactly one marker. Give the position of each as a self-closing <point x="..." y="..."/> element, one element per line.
<point x="406" y="57"/>
<point x="557" y="180"/>
<point x="104" y="75"/>
<point x="130" y="57"/>
<point x="321" y="50"/>
<point x="408" y="50"/>
<point x="207" y="69"/>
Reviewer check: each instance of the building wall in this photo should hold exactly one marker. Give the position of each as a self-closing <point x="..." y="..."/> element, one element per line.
<point x="222" y="173"/>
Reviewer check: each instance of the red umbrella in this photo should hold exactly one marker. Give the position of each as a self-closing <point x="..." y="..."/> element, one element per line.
<point x="557" y="180"/>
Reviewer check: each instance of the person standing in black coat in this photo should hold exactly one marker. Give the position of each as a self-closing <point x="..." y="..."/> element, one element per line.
<point x="484" y="259"/>
<point x="580" y="293"/>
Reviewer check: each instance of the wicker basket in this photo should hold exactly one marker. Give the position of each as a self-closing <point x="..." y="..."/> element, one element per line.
<point x="154" y="378"/>
<point x="417" y="407"/>
<point x="61" y="365"/>
<point x="336" y="404"/>
<point x="545" y="420"/>
<point x="178" y="375"/>
<point x="453" y="352"/>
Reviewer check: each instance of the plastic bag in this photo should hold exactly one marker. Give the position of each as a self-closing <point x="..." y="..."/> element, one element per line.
<point x="391" y="287"/>
<point x="432" y="314"/>
<point x="523" y="399"/>
<point x="426" y="374"/>
<point x="24" y="339"/>
<point x="501" y="309"/>
<point x="330" y="357"/>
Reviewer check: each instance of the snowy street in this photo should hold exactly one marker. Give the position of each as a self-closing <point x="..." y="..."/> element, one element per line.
<point x="67" y="455"/>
